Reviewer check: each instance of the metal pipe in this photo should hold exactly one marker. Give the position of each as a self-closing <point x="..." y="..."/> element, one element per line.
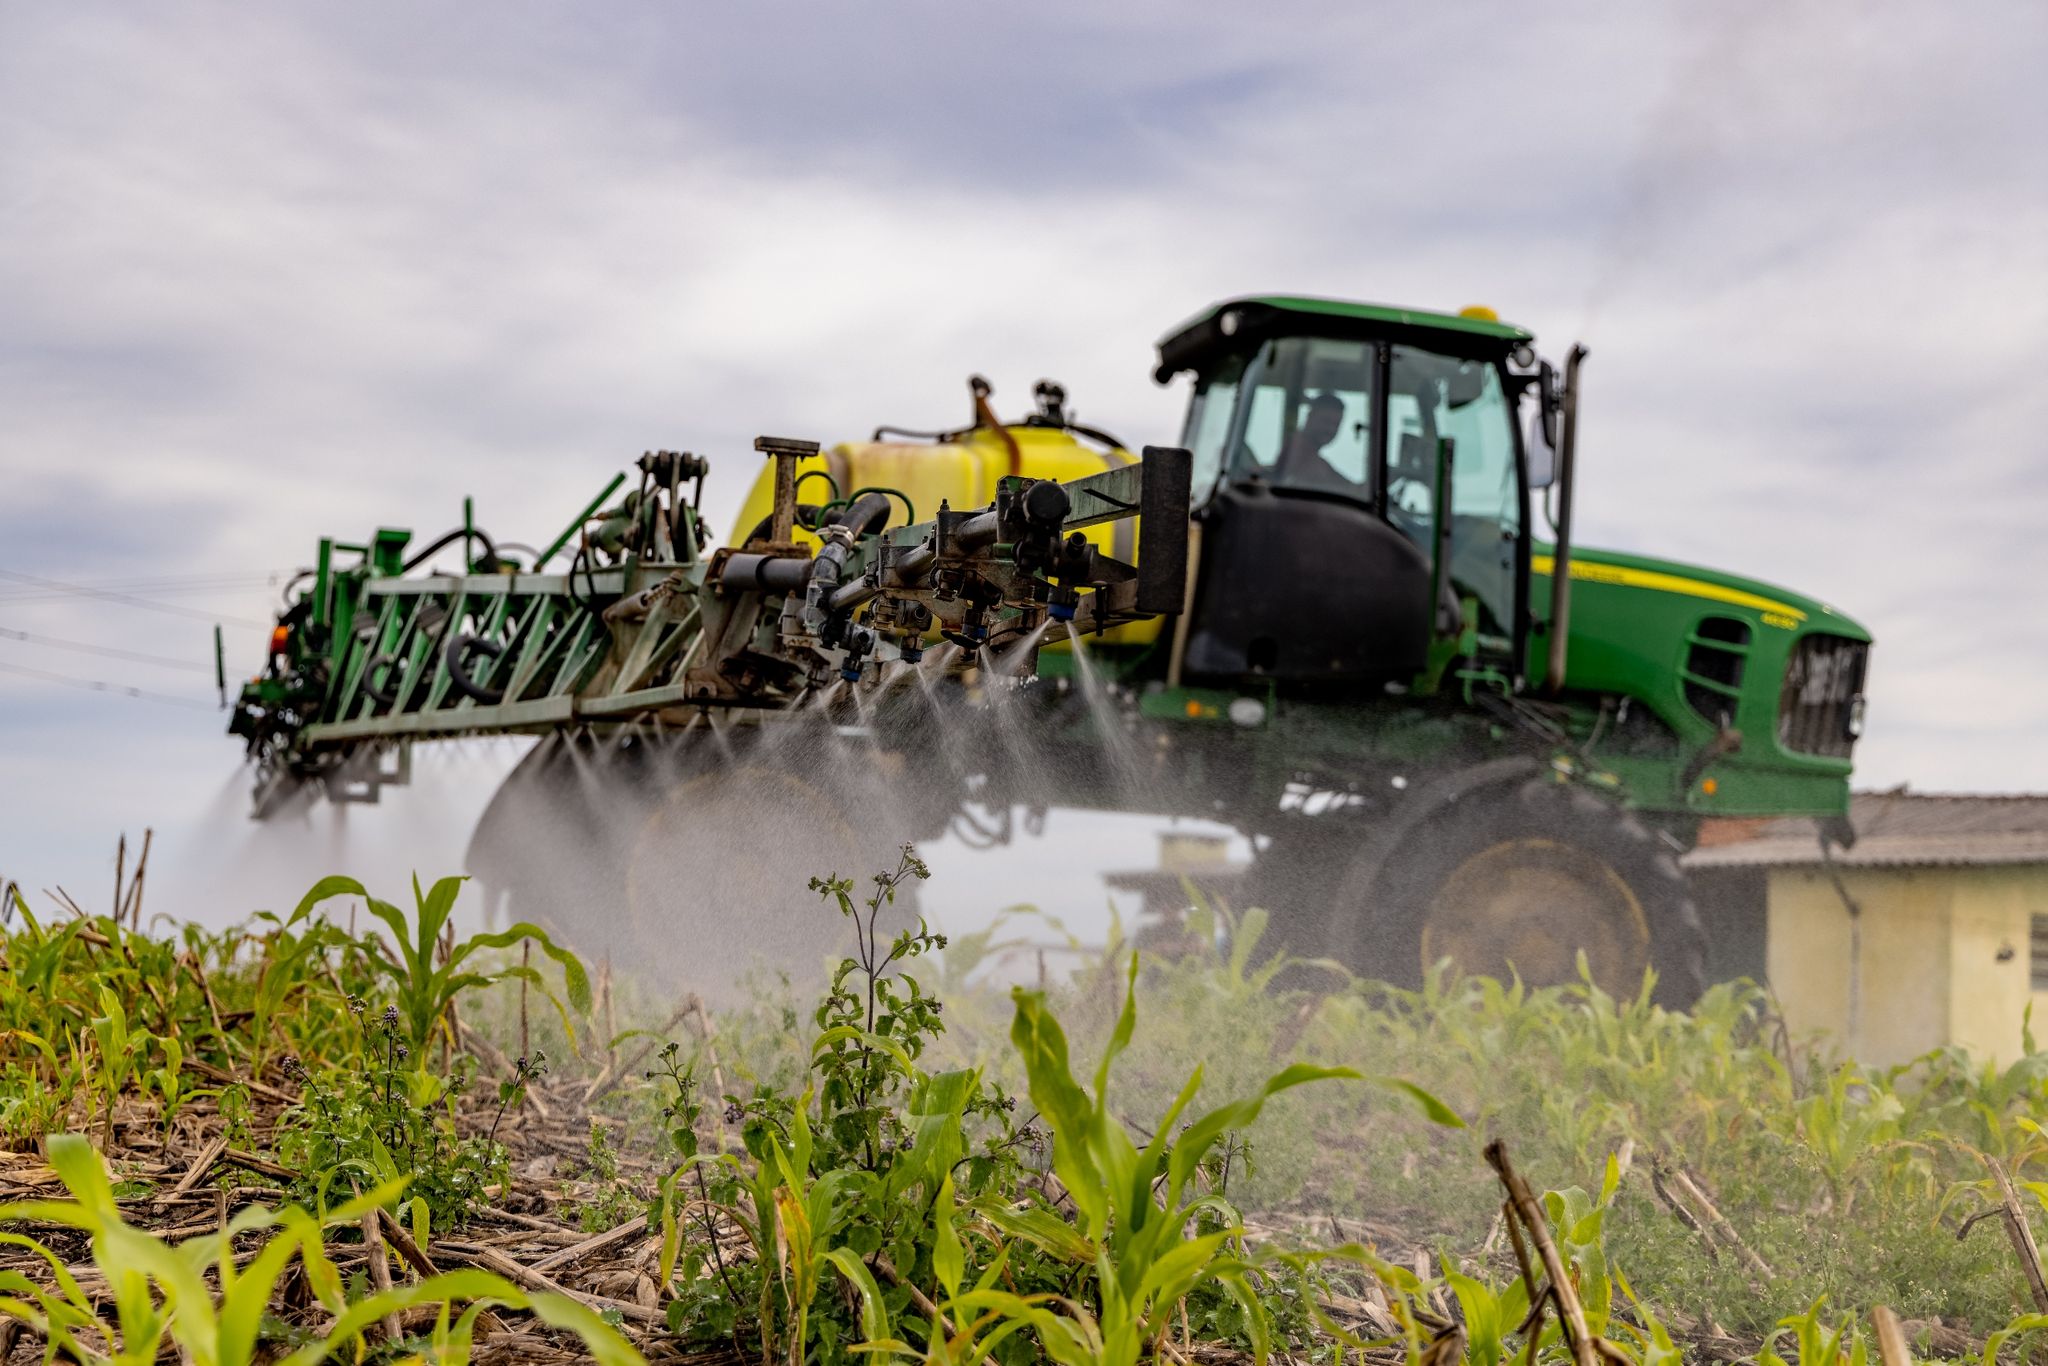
<point x="910" y="569"/>
<point x="569" y="532"/>
<point x="977" y="531"/>
<point x="1561" y="557"/>
<point x="745" y="571"/>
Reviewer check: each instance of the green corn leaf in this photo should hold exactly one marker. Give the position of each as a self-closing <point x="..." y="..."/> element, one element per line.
<point x="324" y="889"/>
<point x="948" y="1260"/>
<point x="874" y="1311"/>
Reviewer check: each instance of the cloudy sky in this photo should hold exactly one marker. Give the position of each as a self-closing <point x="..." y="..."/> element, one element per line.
<point x="273" y="272"/>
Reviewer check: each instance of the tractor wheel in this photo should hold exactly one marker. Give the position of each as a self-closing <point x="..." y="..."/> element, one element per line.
<point x="1296" y="878"/>
<point x="688" y="862"/>
<point x="719" y="871"/>
<point x="1524" y="880"/>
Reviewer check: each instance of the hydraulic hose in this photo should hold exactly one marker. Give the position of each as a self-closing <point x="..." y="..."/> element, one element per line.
<point x="490" y="551"/>
<point x="806" y="517"/>
<point x="457" y="656"/>
<point x="865" y="515"/>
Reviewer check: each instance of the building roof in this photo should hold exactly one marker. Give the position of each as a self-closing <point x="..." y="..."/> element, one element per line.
<point x="1897" y="829"/>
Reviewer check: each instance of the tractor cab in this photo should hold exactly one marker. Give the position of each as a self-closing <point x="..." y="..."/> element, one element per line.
<point x="1376" y="453"/>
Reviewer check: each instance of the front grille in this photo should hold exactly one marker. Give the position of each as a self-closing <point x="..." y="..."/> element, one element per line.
<point x="1820" y="709"/>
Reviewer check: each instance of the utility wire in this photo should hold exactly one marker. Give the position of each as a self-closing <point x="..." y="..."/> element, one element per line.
<point x="169" y="580"/>
<point x="107" y="650"/>
<point x="144" y="589"/>
<point x="127" y="600"/>
<point x="158" y="584"/>
<point x="111" y="689"/>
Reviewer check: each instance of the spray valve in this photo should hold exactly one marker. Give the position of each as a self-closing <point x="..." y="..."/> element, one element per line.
<point x="836" y="546"/>
<point x="1063" y="603"/>
<point x="859" y="641"/>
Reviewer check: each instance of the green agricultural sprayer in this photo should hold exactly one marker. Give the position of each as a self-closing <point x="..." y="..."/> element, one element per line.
<point x="1325" y="619"/>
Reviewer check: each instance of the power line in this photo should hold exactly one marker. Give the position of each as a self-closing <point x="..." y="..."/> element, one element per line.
<point x="107" y="650"/>
<point x="202" y="578"/>
<point x="141" y="578"/>
<point x="111" y="689"/>
<point x="143" y="589"/>
<point x="128" y="600"/>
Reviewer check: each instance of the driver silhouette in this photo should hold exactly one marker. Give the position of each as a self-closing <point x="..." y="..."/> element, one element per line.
<point x="1301" y="462"/>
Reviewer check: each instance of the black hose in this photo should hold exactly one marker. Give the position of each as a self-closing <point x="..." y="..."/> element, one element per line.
<point x="460" y="648"/>
<point x="866" y="515"/>
<point x="806" y="517"/>
<point x="490" y="551"/>
<point x="883" y="431"/>
<point x="1097" y="434"/>
<point x="384" y="691"/>
<point x="586" y="564"/>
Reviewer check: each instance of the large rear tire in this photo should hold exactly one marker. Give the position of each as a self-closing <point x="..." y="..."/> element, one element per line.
<point x="1526" y="879"/>
<point x="718" y="874"/>
<point x="688" y="862"/>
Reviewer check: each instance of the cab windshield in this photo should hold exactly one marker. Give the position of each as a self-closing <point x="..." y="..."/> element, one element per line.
<point x="1298" y="414"/>
<point x="1305" y="421"/>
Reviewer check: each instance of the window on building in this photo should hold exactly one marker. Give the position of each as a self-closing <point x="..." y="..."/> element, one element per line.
<point x="2038" y="952"/>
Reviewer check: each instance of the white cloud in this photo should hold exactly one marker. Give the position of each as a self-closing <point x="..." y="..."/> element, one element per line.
<point x="303" y="273"/>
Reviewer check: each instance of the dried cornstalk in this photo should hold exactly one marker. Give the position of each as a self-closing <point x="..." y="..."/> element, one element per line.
<point x="1891" y="1339"/>
<point x="380" y="1271"/>
<point x="710" y="1033"/>
<point x="1682" y="1214"/>
<point x="615" y="1072"/>
<point x="1523" y="1204"/>
<point x="1685" y="1183"/>
<point x="135" y="883"/>
<point x="2017" y="1230"/>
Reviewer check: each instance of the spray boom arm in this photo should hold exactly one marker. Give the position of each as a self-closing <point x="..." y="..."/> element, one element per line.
<point x="643" y="626"/>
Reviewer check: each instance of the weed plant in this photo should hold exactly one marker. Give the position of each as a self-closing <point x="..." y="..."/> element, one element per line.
<point x="355" y="1128"/>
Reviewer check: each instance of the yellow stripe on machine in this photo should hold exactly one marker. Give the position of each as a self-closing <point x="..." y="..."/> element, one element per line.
<point x="1622" y="576"/>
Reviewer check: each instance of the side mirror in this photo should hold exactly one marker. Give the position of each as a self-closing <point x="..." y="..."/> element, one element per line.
<point x="1542" y="439"/>
<point x="1542" y="455"/>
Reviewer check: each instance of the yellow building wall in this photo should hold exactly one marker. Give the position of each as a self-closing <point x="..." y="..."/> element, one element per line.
<point x="1992" y="920"/>
<point x="1900" y="990"/>
<point x="1929" y="972"/>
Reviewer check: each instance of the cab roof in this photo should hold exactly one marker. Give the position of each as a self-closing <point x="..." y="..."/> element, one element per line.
<point x="1255" y="315"/>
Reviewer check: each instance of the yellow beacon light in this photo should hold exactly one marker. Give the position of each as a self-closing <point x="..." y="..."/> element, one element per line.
<point x="1479" y="313"/>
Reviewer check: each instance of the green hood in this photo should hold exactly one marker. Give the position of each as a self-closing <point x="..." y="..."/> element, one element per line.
<point x="1769" y="602"/>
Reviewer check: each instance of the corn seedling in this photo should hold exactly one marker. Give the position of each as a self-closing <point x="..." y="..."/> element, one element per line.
<point x="426" y="977"/>
<point x="162" y="1299"/>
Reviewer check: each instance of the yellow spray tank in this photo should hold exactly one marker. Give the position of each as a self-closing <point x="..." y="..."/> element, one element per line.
<point x="959" y="469"/>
